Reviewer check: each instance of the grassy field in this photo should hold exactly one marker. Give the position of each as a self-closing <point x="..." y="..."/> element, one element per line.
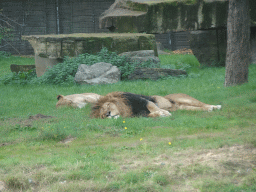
<point x="65" y="150"/>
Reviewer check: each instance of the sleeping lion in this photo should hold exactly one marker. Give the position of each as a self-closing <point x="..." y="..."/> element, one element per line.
<point x="173" y="102"/>
<point x="125" y="104"/>
<point x="77" y="100"/>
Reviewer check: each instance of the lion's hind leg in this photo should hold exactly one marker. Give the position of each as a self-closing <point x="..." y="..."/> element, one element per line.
<point x="187" y="102"/>
<point x="205" y="107"/>
<point x="156" y="111"/>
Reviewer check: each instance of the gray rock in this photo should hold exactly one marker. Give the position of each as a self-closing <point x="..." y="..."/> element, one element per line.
<point x="155" y="73"/>
<point x="142" y="56"/>
<point x="98" y="73"/>
<point x="143" y="53"/>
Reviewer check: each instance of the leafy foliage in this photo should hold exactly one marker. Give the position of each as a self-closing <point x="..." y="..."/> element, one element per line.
<point x="21" y="78"/>
<point x="65" y="72"/>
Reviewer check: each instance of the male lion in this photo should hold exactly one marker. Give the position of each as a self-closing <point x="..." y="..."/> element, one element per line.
<point x="177" y="101"/>
<point x="183" y="101"/>
<point x="126" y="104"/>
<point x="77" y="100"/>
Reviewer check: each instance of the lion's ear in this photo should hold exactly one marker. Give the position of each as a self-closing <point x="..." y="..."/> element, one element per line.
<point x="60" y="97"/>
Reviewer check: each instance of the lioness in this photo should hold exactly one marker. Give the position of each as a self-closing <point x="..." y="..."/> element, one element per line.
<point x="126" y="104"/>
<point x="173" y="102"/>
<point x="77" y="100"/>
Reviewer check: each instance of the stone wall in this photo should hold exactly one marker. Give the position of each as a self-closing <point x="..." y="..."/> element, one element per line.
<point x="51" y="49"/>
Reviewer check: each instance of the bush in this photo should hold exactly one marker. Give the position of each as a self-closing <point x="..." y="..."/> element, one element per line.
<point x="21" y="78"/>
<point x="65" y="72"/>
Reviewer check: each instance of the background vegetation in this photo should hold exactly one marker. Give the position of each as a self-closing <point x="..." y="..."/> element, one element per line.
<point x="69" y="151"/>
<point x="64" y="73"/>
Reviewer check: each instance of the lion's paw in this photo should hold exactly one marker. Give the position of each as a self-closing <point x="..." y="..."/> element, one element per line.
<point x="116" y="116"/>
<point x="164" y="113"/>
<point x="214" y="107"/>
<point x="211" y="109"/>
<point x="218" y="106"/>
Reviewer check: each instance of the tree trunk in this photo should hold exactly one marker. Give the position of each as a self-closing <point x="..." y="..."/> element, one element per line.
<point x="238" y="43"/>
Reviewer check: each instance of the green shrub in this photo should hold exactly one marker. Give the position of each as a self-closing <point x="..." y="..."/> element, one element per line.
<point x="21" y="78"/>
<point x="65" y="72"/>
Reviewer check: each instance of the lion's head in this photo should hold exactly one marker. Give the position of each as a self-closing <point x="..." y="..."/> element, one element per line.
<point x="77" y="100"/>
<point x="112" y="105"/>
<point x="109" y="110"/>
<point x="63" y="101"/>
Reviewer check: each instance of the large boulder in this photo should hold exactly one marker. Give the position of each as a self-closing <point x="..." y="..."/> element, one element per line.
<point x="98" y="73"/>
<point x="142" y="56"/>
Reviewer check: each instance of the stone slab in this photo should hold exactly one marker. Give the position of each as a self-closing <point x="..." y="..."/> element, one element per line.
<point x="154" y="73"/>
<point x="21" y="68"/>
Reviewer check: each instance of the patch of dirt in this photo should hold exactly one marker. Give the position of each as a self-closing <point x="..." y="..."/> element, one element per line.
<point x="3" y="145"/>
<point x="68" y="140"/>
<point x="26" y="122"/>
<point x="237" y="154"/>
<point x="39" y="116"/>
<point x="230" y="163"/>
<point x="2" y="186"/>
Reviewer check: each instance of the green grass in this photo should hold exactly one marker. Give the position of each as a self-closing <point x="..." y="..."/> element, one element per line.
<point x="179" y="61"/>
<point x="208" y="151"/>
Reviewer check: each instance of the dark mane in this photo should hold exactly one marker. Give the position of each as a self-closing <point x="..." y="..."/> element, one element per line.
<point x="129" y="104"/>
<point x="138" y="103"/>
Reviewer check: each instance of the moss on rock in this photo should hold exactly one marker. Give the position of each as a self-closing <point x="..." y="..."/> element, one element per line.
<point x="58" y="46"/>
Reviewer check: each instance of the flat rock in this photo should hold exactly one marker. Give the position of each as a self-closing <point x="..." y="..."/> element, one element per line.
<point x="142" y="56"/>
<point x="98" y="73"/>
<point x="154" y="73"/>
